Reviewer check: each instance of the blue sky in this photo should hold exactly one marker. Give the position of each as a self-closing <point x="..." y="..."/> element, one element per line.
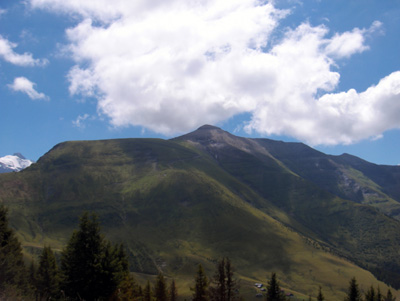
<point x="322" y="72"/>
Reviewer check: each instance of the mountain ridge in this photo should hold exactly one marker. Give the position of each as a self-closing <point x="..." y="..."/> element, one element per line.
<point x="209" y="194"/>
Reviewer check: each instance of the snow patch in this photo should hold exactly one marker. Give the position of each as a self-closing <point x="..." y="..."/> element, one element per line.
<point x="15" y="162"/>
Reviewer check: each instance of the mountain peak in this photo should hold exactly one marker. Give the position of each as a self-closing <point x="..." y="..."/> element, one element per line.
<point x="19" y="155"/>
<point x="206" y="134"/>
<point x="213" y="138"/>
<point x="16" y="162"/>
<point x="208" y="127"/>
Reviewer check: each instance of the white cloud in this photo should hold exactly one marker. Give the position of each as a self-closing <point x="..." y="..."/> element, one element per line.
<point x="170" y="66"/>
<point x="82" y="81"/>
<point x="338" y="117"/>
<point x="99" y="9"/>
<point x="345" y="45"/>
<point x="8" y="54"/>
<point x="79" y="122"/>
<point x="145" y="73"/>
<point x="24" y="85"/>
<point x="2" y="11"/>
<point x="349" y="43"/>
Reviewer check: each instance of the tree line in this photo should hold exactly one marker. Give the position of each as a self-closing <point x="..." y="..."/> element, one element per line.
<point x="91" y="268"/>
<point x="274" y="292"/>
<point x="354" y="293"/>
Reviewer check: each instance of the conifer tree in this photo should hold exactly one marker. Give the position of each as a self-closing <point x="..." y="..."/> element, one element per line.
<point x="92" y="269"/>
<point x="147" y="295"/>
<point x="379" y="296"/>
<point x="81" y="260"/>
<point x="114" y="267"/>
<point x="273" y="290"/>
<point x="389" y="296"/>
<point x="201" y="285"/>
<point x="138" y="292"/>
<point x="173" y="291"/>
<point x="320" y="296"/>
<point x="370" y="294"/>
<point x="218" y="291"/>
<point x="140" y="295"/>
<point x="127" y="290"/>
<point x="353" y="293"/>
<point x="232" y="286"/>
<point x="47" y="278"/>
<point x="32" y="277"/>
<point x="121" y="261"/>
<point x="13" y="274"/>
<point x="160" y="290"/>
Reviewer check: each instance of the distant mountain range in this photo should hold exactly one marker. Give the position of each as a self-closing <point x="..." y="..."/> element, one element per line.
<point x="270" y="206"/>
<point x="13" y="163"/>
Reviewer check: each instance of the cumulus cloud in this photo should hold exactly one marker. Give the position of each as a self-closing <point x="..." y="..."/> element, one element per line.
<point x="335" y="118"/>
<point x="102" y="10"/>
<point x="8" y="54"/>
<point x="348" y="43"/>
<point x="172" y="65"/>
<point x="24" y="85"/>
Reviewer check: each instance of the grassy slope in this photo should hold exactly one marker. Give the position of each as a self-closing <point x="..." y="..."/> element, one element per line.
<point x="345" y="176"/>
<point x="174" y="208"/>
<point x="357" y="232"/>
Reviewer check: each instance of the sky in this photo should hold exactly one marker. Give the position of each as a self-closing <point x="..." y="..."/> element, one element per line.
<point x="322" y="72"/>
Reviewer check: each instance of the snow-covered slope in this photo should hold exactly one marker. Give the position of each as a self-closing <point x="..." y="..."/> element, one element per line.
<point x="14" y="162"/>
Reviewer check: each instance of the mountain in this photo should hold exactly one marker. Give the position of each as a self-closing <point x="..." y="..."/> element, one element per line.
<point x="12" y="163"/>
<point x="313" y="188"/>
<point x="270" y="206"/>
<point x="346" y="176"/>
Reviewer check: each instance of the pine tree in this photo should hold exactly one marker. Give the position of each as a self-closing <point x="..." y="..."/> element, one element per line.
<point x="13" y="274"/>
<point x="201" y="285"/>
<point x="218" y="291"/>
<point x="122" y="265"/>
<point x="114" y="267"/>
<point x="92" y="268"/>
<point x="81" y="260"/>
<point x="232" y="286"/>
<point x="379" y="296"/>
<point x="370" y="294"/>
<point x="147" y="295"/>
<point x="47" y="278"/>
<point x="173" y="291"/>
<point x="320" y="296"/>
<point x="389" y="296"/>
<point x="160" y="290"/>
<point x="127" y="290"/>
<point x="32" y="277"/>
<point x="353" y="293"/>
<point x="273" y="289"/>
<point x="140" y="294"/>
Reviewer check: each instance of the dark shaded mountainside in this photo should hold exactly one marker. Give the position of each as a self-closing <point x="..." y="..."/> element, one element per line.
<point x="270" y="206"/>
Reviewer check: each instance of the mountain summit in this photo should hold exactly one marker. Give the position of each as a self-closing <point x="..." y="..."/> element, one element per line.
<point x="12" y="163"/>
<point x="206" y="133"/>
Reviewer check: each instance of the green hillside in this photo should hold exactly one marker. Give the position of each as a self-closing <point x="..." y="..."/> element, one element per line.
<point x="197" y="198"/>
<point x="287" y="175"/>
<point x="346" y="176"/>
